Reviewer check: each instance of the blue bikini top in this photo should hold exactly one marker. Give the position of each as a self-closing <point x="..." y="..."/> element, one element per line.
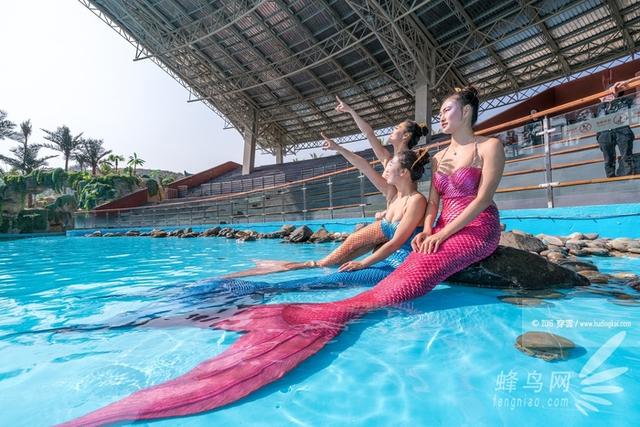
<point x="389" y="230"/>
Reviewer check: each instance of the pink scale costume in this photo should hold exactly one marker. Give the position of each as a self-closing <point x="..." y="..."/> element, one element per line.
<point x="279" y="337"/>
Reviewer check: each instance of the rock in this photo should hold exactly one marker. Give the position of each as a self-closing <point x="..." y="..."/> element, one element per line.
<point x="189" y="235"/>
<point x="211" y="232"/>
<point x="97" y="233"/>
<point x="300" y="234"/>
<point x="522" y="241"/>
<point x="550" y="240"/>
<point x="225" y="231"/>
<point x="359" y="226"/>
<point x="320" y="236"/>
<point x="555" y="256"/>
<point x="503" y="226"/>
<point x="576" y="236"/>
<point x="339" y="237"/>
<point x="287" y="229"/>
<point x="573" y="246"/>
<point x="132" y="233"/>
<point x="578" y="252"/>
<point x="620" y="244"/>
<point x="623" y="296"/>
<point x="109" y="235"/>
<point x="624" y="276"/>
<point x="510" y="268"/>
<point x="145" y="234"/>
<point x="578" y="266"/>
<point x="159" y="233"/>
<point x="524" y="301"/>
<point x="633" y="250"/>
<point x="596" y="251"/>
<point x="176" y="233"/>
<point x="594" y="276"/>
<point x="627" y="303"/>
<point x="555" y="248"/>
<point x="545" y="345"/>
<point x="542" y="294"/>
<point x="591" y="236"/>
<point x="522" y="233"/>
<point x="596" y="244"/>
<point x="248" y="238"/>
<point x="274" y="235"/>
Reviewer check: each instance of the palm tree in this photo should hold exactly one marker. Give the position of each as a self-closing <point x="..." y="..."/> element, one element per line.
<point x="64" y="142"/>
<point x="25" y="158"/>
<point x="92" y="151"/>
<point x="23" y="136"/>
<point x="80" y="159"/>
<point x="134" y="162"/>
<point x="113" y="160"/>
<point x="6" y="126"/>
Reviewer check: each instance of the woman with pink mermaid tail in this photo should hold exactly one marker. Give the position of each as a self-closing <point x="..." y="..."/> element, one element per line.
<point x="279" y="337"/>
<point x="403" y="138"/>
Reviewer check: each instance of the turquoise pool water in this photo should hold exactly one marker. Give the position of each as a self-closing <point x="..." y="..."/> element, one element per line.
<point x="445" y="359"/>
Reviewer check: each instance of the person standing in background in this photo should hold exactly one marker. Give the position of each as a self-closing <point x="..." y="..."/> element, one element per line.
<point x="622" y="136"/>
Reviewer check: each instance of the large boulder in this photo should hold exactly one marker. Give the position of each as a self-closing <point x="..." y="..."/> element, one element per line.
<point x="510" y="268"/>
<point x="522" y="241"/>
<point x="211" y="232"/>
<point x="300" y="234"/>
<point x="320" y="236"/>
<point x="287" y="229"/>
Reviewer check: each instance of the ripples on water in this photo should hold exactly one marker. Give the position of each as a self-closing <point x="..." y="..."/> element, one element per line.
<point x="432" y="361"/>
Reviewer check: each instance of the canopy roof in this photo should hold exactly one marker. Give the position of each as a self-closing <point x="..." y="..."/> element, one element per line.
<point x="283" y="61"/>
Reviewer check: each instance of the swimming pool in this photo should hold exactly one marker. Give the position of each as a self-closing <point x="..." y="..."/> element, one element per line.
<point x="445" y="359"/>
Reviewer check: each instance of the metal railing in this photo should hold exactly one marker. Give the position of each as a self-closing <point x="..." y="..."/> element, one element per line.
<point x="552" y="160"/>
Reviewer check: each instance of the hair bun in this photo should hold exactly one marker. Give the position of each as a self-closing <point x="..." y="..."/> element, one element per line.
<point x="422" y="157"/>
<point x="470" y="90"/>
<point x="424" y="129"/>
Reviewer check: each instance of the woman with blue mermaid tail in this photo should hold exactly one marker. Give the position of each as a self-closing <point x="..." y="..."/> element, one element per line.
<point x="279" y="337"/>
<point x="405" y="212"/>
<point x="403" y="138"/>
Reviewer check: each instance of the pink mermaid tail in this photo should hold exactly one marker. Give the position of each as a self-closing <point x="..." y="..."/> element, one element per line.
<point x="279" y="337"/>
<point x="270" y="348"/>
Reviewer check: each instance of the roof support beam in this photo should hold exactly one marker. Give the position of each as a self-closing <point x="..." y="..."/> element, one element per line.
<point x="619" y="20"/>
<point x="462" y="14"/>
<point x="532" y="14"/>
<point x="249" y="153"/>
<point x="203" y="28"/>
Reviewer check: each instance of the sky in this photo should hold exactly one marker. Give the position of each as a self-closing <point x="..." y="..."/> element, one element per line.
<point x="61" y="64"/>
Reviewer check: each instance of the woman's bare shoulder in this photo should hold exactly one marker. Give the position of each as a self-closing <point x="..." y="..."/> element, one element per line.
<point x="489" y="143"/>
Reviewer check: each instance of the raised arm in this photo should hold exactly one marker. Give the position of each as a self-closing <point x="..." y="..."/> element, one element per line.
<point x="362" y="165"/>
<point x="492" y="168"/>
<point x="378" y="149"/>
<point x="411" y="219"/>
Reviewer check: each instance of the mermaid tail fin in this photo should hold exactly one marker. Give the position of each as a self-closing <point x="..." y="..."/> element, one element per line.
<point x="266" y="266"/>
<point x="275" y="342"/>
